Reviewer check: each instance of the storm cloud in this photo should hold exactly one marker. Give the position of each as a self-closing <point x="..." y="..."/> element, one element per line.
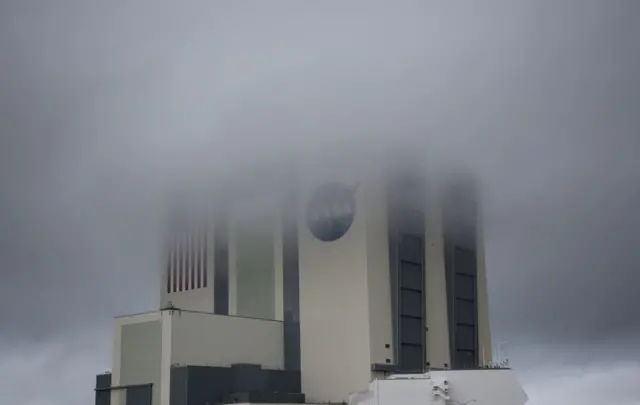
<point x="108" y="107"/>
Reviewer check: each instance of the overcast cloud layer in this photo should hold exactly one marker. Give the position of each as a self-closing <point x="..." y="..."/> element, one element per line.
<point x="105" y="106"/>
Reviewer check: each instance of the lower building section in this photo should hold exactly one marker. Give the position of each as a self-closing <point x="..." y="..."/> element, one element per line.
<point x="250" y="384"/>
<point x="317" y="287"/>
<point x="201" y="385"/>
<point x="240" y="383"/>
<point x="480" y="387"/>
<point x="140" y="394"/>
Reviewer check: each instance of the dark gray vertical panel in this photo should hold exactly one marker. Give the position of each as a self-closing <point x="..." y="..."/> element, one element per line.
<point x="221" y="265"/>
<point x="461" y="276"/>
<point x="202" y="257"/>
<point x="103" y="381"/>
<point x="178" y="386"/>
<point x="193" y="254"/>
<point x="198" y="281"/>
<point x="449" y="274"/>
<point x="141" y="395"/>
<point x="463" y="301"/>
<point x="182" y="262"/>
<point x="188" y="261"/>
<point x="411" y="297"/>
<point x="291" y="282"/>
<point x="406" y="218"/>
<point x="103" y="397"/>
<point x="103" y="392"/>
<point x="203" y="385"/>
<point x="168" y="268"/>
<point x="175" y="263"/>
<point x="205" y="261"/>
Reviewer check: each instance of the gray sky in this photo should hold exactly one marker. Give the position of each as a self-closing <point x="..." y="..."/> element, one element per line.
<point x="104" y="106"/>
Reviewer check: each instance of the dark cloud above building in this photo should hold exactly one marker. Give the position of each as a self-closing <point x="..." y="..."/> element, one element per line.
<point x="105" y="108"/>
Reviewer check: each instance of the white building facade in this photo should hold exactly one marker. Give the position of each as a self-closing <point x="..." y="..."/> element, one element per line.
<point x="309" y="284"/>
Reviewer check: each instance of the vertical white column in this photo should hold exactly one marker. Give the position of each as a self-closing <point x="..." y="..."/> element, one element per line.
<point x="116" y="395"/>
<point x="378" y="277"/>
<point x="438" y="353"/>
<point x="165" y="362"/>
<point x="334" y="307"/>
<point x="484" y="325"/>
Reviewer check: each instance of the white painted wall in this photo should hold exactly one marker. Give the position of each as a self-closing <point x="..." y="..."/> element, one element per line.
<point x="141" y="356"/>
<point x="335" y="307"/>
<point x="378" y="279"/>
<point x="437" y="334"/>
<point x="142" y="369"/>
<point x="484" y="322"/>
<point x="204" y="339"/>
<point x="345" y="308"/>
<point x="153" y="342"/>
<point x="165" y="364"/>
<point x="480" y="387"/>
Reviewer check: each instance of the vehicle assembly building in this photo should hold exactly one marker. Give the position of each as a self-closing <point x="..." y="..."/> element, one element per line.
<point x="318" y="281"/>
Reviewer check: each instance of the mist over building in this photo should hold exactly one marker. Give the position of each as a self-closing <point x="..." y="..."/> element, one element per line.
<point x="306" y="278"/>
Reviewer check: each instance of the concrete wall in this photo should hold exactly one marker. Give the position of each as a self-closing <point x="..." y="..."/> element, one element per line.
<point x="140" y="356"/>
<point x="484" y="324"/>
<point x="345" y="293"/>
<point x="378" y="279"/>
<point x="335" y="332"/>
<point x="204" y="339"/>
<point x="147" y="345"/>
<point x="137" y="355"/>
<point x="437" y="339"/>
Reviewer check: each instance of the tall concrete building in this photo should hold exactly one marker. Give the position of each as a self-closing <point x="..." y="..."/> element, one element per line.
<point x="306" y="283"/>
